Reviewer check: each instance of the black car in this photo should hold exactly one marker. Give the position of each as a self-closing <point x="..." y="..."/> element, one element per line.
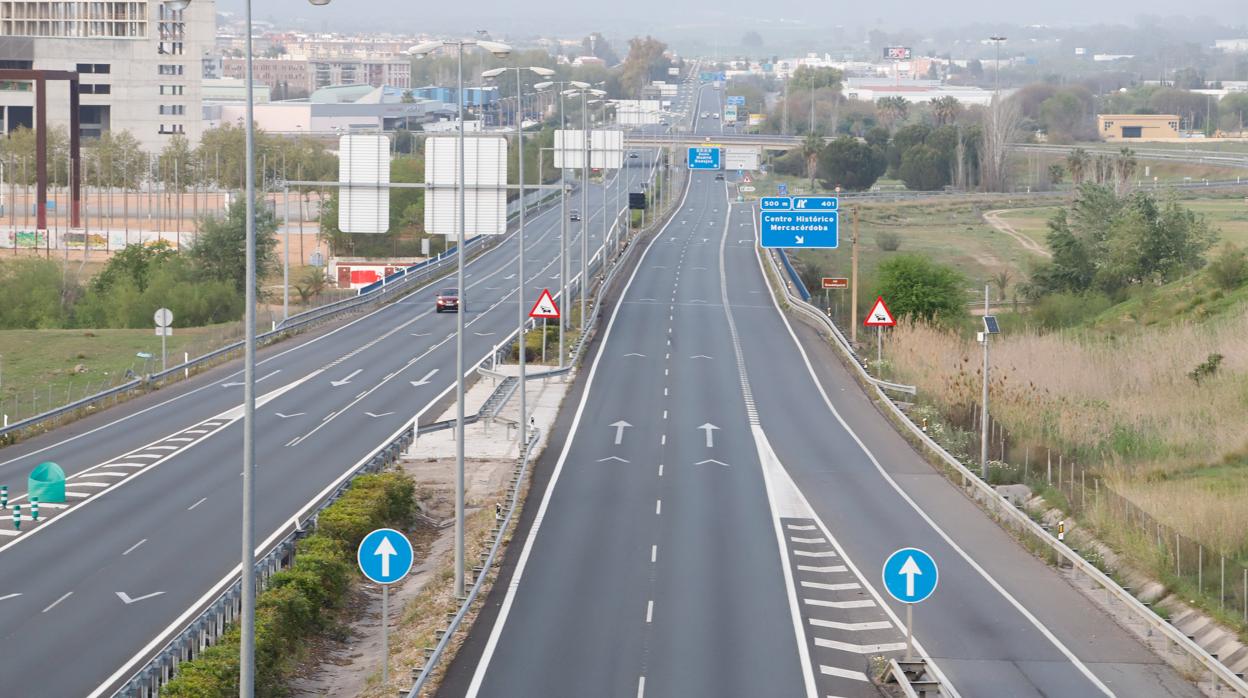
<point x="719" y="176"/>
<point x="574" y="215"/>
<point x="448" y="299"/>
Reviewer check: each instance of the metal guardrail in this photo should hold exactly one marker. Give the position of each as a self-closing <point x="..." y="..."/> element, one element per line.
<point x="999" y="505"/>
<point x="380" y="294"/>
<point x="912" y="677"/>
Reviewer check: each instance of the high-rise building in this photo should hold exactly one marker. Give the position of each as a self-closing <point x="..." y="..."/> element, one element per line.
<point x="140" y="64"/>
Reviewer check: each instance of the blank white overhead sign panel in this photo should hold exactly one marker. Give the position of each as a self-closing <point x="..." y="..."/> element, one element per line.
<point x="364" y="172"/>
<point x="485" y="194"/>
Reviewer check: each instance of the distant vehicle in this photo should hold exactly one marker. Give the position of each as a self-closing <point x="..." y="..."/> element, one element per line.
<point x="719" y="176"/>
<point x="448" y="299"/>
<point x="706" y="115"/>
<point x="574" y="215"/>
<point x="715" y="115"/>
<point x="633" y="156"/>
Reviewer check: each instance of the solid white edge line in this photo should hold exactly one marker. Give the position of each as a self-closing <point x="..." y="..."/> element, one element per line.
<point x="1048" y="634"/>
<point x="496" y="631"/>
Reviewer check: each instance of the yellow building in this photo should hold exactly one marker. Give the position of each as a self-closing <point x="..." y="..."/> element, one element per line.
<point x="1137" y="127"/>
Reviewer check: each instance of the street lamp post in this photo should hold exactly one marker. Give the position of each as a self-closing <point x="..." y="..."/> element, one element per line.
<point x="520" y="297"/>
<point x="996" y="73"/>
<point x="247" y="640"/>
<point x="500" y="50"/>
<point x="584" y="289"/>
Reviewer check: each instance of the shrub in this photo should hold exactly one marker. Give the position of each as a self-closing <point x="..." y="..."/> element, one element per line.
<point x="1058" y="310"/>
<point x="1230" y="268"/>
<point x="888" y="241"/>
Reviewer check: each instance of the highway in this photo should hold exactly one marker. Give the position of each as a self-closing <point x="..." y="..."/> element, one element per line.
<point x="724" y="498"/>
<point x="152" y="527"/>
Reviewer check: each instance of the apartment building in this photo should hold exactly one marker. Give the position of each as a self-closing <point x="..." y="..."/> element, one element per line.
<point x="140" y="64"/>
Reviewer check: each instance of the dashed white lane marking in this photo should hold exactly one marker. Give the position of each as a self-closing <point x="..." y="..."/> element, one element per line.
<point x="860" y="649"/>
<point x="829" y="568"/>
<point x="797" y="527"/>
<point x="123" y="465"/>
<point x="797" y="539"/>
<point x="663" y="440"/>
<point x="807" y="553"/>
<point x="660" y="470"/>
<point x="664" y="414"/>
<point x="201" y="501"/>
<point x="843" y="673"/>
<point x="654" y="553"/>
<point x="153" y="456"/>
<point x="163" y="448"/>
<point x="131" y="548"/>
<point x="839" y="586"/>
<point x="649" y="610"/>
<point x="641" y="686"/>
<point x="54" y="603"/>
<point x="658" y="507"/>
<point x="856" y="603"/>
<point x="103" y="473"/>
<point x="180" y="439"/>
<point x="853" y="627"/>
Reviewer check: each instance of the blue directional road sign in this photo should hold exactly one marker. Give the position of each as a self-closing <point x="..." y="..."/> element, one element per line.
<point x="776" y="203"/>
<point x="790" y="227"/>
<point x="704" y="158"/>
<point x="782" y="189"/>
<point x="910" y="575"/>
<point x="816" y="203"/>
<point x="385" y="556"/>
<point x="736" y="100"/>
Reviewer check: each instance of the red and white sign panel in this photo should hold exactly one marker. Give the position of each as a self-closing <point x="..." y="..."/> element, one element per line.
<point x="545" y="307"/>
<point x="897" y="53"/>
<point x="835" y="282"/>
<point x="880" y="315"/>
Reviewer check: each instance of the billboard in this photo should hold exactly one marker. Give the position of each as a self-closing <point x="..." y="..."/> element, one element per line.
<point x="897" y="53"/>
<point x="606" y="149"/>
<point x="730" y="114"/>
<point x="742" y="158"/>
<point x="364" y="172"/>
<point x="485" y="196"/>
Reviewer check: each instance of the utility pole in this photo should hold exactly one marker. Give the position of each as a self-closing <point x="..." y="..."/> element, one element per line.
<point x="996" y="90"/>
<point x="853" y="294"/>
<point x="983" y="414"/>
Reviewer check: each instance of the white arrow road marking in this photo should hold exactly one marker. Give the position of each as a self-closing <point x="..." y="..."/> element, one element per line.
<point x="128" y="600"/>
<point x="288" y="416"/>
<point x="237" y="383"/>
<point x="711" y="460"/>
<point x="633" y="353"/>
<point x="909" y="569"/>
<point x="425" y="380"/>
<point x="386" y="550"/>
<point x="620" y="426"/>
<point x="710" y="434"/>
<point x="509" y="277"/>
<point x="9" y="596"/>
<point x="378" y="416"/>
<point x="604" y="460"/>
<point x="344" y="381"/>
<point x="700" y="356"/>
<point x="483" y="334"/>
<point x="421" y="334"/>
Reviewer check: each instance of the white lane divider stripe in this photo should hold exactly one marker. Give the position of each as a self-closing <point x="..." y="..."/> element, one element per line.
<point x="807" y="553"/>
<point x="123" y="465"/>
<point x="102" y="473"/>
<point x="829" y="568"/>
<point x="853" y="627"/>
<point x="796" y="527"/>
<point x="844" y="586"/>
<point x="796" y="539"/>
<point x="843" y="673"/>
<point x="860" y="649"/>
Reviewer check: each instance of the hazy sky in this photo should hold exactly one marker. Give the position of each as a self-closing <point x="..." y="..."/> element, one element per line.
<point x="705" y="19"/>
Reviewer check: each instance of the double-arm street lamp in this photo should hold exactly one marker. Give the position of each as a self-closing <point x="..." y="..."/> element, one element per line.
<point x="499" y="50"/>
<point x="247" y="643"/>
<point x="585" y="92"/>
<point x="520" y="295"/>
<point x="563" y="211"/>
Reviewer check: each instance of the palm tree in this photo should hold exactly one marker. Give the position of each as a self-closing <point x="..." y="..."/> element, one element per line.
<point x="1002" y="281"/>
<point x="945" y="110"/>
<point x="812" y="145"/>
<point x="892" y="110"/>
<point x="1124" y="166"/>
<point x="1077" y="162"/>
<point x="1103" y="167"/>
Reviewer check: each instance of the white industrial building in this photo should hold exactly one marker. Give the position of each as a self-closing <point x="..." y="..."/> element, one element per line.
<point x="140" y="64"/>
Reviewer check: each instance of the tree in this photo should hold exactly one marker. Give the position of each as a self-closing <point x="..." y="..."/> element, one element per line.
<point x="851" y="164"/>
<point x="115" y="159"/>
<point x="1124" y="169"/>
<point x="1233" y="112"/>
<point x="1000" y="127"/>
<point x="134" y="263"/>
<point x="923" y="169"/>
<point x="752" y="39"/>
<point x="173" y="165"/>
<point x="1063" y="117"/>
<point x="1002" y="281"/>
<point x="1188" y="79"/>
<point x="220" y="250"/>
<point x="1056" y="173"/>
<point x="945" y="110"/>
<point x="1077" y="162"/>
<point x="645" y="62"/>
<point x="919" y="289"/>
<point x="597" y="46"/>
<point x="1230" y="268"/>
<point x="892" y="110"/>
<point x="811" y="146"/>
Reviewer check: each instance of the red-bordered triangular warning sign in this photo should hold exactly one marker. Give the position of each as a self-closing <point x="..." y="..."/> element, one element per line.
<point x="545" y="307"/>
<point x="880" y="315"/>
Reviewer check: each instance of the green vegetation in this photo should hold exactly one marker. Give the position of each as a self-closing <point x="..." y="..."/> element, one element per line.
<point x="920" y="290"/>
<point x="302" y="601"/>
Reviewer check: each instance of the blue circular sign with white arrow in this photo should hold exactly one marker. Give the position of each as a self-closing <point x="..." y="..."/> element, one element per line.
<point x="910" y="575"/>
<point x="385" y="556"/>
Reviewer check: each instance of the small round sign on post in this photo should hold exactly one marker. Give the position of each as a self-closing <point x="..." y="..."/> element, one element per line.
<point x="385" y="556"/>
<point x="910" y="576"/>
